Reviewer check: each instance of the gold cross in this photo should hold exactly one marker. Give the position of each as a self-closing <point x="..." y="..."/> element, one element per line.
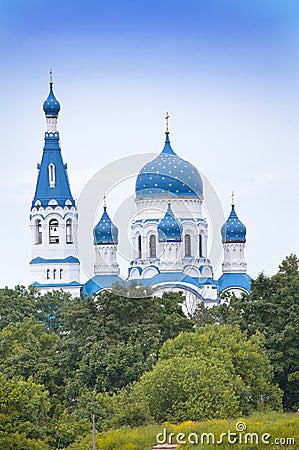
<point x="51" y="76"/>
<point x="233" y="198"/>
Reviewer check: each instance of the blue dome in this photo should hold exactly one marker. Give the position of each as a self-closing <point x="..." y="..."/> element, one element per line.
<point x="169" y="229"/>
<point x="105" y="232"/>
<point x="233" y="230"/>
<point x="51" y="105"/>
<point x="168" y="175"/>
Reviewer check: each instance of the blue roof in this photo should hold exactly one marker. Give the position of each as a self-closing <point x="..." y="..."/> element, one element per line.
<point x="57" y="285"/>
<point x="178" y="279"/>
<point x="69" y="259"/>
<point x="168" y="174"/>
<point x="100" y="282"/>
<point x="51" y="105"/>
<point x="169" y="228"/>
<point x="233" y="230"/>
<point x="105" y="232"/>
<point x="234" y="280"/>
<point x="60" y="188"/>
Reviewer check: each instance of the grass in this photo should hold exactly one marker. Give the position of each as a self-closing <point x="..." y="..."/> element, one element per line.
<point x="270" y="426"/>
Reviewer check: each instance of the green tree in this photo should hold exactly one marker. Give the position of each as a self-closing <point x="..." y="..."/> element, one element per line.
<point x="17" y="304"/>
<point x="24" y="407"/>
<point x="189" y="388"/>
<point x="108" y="341"/>
<point x="110" y="365"/>
<point x="215" y="372"/>
<point x="27" y="349"/>
<point x="272" y="308"/>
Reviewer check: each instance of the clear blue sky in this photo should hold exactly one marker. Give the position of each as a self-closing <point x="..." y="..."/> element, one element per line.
<point x="226" y="70"/>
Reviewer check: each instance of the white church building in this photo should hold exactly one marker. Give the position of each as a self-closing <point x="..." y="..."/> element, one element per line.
<point x="169" y="233"/>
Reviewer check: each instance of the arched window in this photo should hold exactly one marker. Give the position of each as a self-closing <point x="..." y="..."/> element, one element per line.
<point x="53" y="232"/>
<point x="60" y="273"/>
<point x="69" y="231"/>
<point x="38" y="232"/>
<point x="152" y="246"/>
<point x="54" y="274"/>
<point x="51" y="175"/>
<point x="187" y="245"/>
<point x="48" y="274"/>
<point x="139" y="248"/>
<point x="200" y="245"/>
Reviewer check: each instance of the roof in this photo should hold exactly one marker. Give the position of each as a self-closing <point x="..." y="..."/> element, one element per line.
<point x="57" y="285"/>
<point x="169" y="228"/>
<point x="234" y="280"/>
<point x="233" y="230"/>
<point x="51" y="105"/>
<point x="100" y="282"/>
<point x="180" y="280"/>
<point x="105" y="232"/>
<point x="60" y="188"/>
<point x="168" y="175"/>
<point x="69" y="259"/>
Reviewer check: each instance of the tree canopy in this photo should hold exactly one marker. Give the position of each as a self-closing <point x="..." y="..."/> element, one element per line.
<point x="130" y="358"/>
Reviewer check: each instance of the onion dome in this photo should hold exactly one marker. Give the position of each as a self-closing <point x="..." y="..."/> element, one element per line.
<point x="169" y="228"/>
<point x="105" y="232"/>
<point x="233" y="230"/>
<point x="168" y="175"/>
<point x="51" y="105"/>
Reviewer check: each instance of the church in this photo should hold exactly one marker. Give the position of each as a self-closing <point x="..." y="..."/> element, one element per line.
<point x="169" y="234"/>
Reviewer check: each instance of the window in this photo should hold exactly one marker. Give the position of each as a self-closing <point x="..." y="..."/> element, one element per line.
<point x="60" y="273"/>
<point x="38" y="232"/>
<point x="187" y="245"/>
<point x="69" y="231"/>
<point x="51" y="175"/>
<point x="200" y="245"/>
<point x="48" y="274"/>
<point x="139" y="247"/>
<point x="54" y="274"/>
<point x="152" y="246"/>
<point x="53" y="232"/>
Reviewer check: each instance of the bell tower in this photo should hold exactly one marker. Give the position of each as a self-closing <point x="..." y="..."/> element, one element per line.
<point x="54" y="215"/>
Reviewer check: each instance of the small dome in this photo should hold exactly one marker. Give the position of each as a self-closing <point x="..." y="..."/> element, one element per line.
<point x="51" y="105"/>
<point x="105" y="232"/>
<point x="169" y="229"/>
<point x="168" y="175"/>
<point x="233" y="230"/>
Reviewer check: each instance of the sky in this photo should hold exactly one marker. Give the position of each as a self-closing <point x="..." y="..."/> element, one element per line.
<point x="226" y="71"/>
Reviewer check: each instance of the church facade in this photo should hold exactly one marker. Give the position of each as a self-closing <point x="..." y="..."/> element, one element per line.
<point x="169" y="234"/>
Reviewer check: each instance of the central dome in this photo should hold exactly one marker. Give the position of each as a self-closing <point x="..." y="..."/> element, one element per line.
<point x="168" y="175"/>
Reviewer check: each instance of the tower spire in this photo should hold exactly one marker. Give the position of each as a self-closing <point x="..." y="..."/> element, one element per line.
<point x="51" y="77"/>
<point x="233" y="198"/>
<point x="167" y="123"/>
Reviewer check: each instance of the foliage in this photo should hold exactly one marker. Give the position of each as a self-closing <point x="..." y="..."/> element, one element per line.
<point x="83" y="350"/>
<point x="214" y="372"/>
<point x="27" y="349"/>
<point x="183" y="388"/>
<point x="129" y="358"/>
<point x="245" y="358"/>
<point x="277" y="425"/>
<point x="21" y="303"/>
<point x="272" y="309"/>
<point x="24" y="407"/>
